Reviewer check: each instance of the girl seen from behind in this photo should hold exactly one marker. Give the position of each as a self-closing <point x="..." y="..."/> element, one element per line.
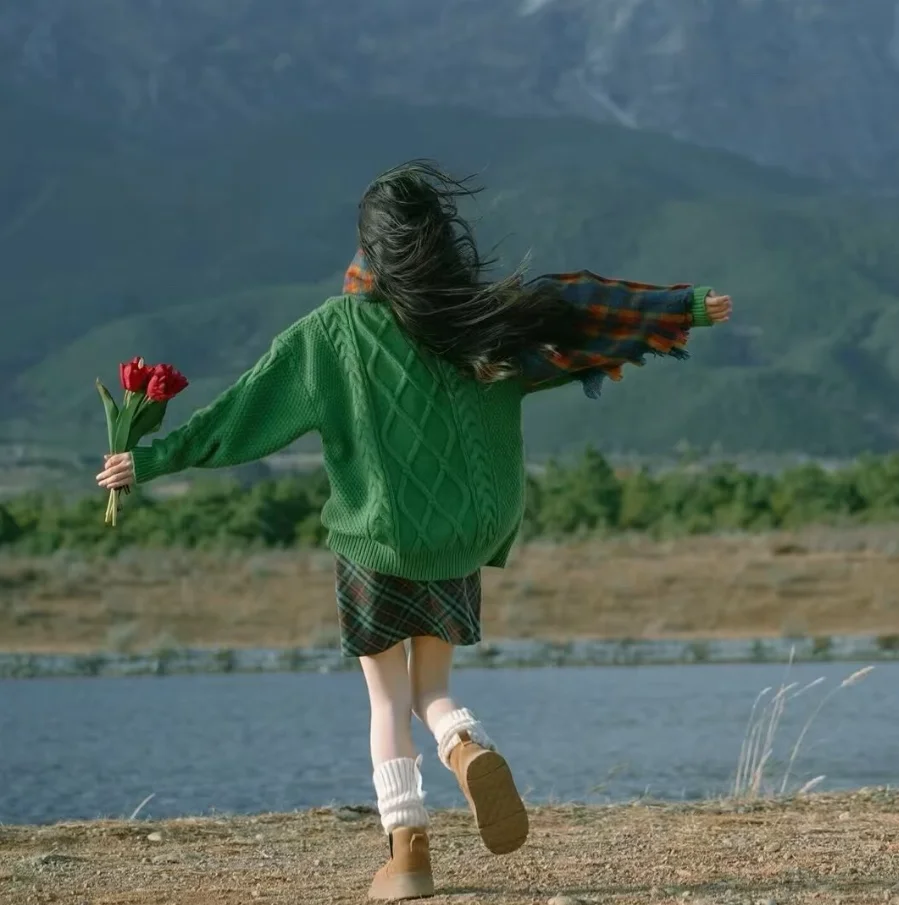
<point x="414" y="377"/>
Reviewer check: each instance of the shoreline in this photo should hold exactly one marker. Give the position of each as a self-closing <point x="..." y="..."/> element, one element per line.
<point x="507" y="654"/>
<point x="829" y="848"/>
<point x="734" y="598"/>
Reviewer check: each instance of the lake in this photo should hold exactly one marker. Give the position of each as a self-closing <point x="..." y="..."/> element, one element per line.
<point x="201" y="744"/>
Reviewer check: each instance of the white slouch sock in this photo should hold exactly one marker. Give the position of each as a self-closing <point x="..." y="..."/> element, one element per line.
<point x="398" y="785"/>
<point x="447" y="730"/>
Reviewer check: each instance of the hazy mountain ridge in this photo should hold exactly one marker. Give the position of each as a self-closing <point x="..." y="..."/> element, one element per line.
<point x="803" y="83"/>
<point x="199" y="258"/>
<point x="180" y="179"/>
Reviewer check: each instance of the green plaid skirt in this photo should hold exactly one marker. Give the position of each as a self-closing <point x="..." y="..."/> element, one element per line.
<point x="377" y="611"/>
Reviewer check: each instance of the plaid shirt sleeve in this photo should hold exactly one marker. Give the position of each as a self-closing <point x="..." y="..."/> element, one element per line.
<point x="626" y="322"/>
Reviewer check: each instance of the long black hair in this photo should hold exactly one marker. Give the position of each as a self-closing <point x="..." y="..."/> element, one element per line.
<point x="424" y="263"/>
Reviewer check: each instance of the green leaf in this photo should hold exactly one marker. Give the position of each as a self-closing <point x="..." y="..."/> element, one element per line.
<point x="127" y="415"/>
<point x="147" y="421"/>
<point x="112" y="413"/>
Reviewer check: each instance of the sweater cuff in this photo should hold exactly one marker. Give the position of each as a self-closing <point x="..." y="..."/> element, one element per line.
<point x="147" y="464"/>
<point x="698" y="311"/>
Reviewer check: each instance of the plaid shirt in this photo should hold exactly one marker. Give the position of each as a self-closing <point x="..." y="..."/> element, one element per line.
<point x="627" y="321"/>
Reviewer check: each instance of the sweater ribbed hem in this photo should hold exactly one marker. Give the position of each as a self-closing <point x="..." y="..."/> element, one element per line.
<point x="698" y="309"/>
<point x="501" y="557"/>
<point x="147" y="465"/>
<point x="451" y="562"/>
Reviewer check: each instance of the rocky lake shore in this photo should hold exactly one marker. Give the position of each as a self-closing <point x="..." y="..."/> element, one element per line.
<point x="825" y="850"/>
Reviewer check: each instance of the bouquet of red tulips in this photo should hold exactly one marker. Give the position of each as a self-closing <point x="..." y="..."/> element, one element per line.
<point x="148" y="389"/>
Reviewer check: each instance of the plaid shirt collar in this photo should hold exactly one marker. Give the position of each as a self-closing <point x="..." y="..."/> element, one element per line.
<point x="357" y="280"/>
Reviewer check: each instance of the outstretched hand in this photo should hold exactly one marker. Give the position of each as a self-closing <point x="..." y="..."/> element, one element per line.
<point x="718" y="307"/>
<point x="118" y="472"/>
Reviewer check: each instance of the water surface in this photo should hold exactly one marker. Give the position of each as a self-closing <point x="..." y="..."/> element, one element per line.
<point x="84" y="748"/>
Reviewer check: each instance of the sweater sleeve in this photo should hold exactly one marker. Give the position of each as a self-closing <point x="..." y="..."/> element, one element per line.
<point x="625" y="322"/>
<point x="269" y="407"/>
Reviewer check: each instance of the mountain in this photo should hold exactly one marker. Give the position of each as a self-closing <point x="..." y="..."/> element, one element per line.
<point x="805" y="84"/>
<point x="198" y="253"/>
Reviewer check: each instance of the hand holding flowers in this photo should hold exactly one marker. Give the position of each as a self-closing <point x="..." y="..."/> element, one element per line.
<point x="148" y="390"/>
<point x="118" y="472"/>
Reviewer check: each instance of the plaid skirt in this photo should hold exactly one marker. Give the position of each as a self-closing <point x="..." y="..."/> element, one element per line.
<point x="377" y="611"/>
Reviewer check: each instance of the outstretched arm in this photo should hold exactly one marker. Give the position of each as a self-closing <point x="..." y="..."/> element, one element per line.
<point x="268" y="408"/>
<point x="626" y="321"/>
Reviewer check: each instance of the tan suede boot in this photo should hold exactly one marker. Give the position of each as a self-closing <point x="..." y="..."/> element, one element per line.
<point x="486" y="780"/>
<point x="407" y="875"/>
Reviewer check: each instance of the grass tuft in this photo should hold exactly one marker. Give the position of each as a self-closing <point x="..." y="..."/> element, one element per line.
<point x="757" y="749"/>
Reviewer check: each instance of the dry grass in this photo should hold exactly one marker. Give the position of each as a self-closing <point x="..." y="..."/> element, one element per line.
<point x="752" y="779"/>
<point x="823" y="850"/>
<point x="813" y="583"/>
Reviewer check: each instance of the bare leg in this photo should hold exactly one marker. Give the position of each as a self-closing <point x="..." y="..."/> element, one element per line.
<point x="465" y="748"/>
<point x="397" y="778"/>
<point x="430" y="664"/>
<point x="390" y="695"/>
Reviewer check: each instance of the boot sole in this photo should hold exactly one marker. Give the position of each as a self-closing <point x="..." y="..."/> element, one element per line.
<point x="402" y="887"/>
<point x="498" y="810"/>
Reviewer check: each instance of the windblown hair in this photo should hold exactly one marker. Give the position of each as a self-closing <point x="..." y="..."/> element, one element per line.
<point x="425" y="264"/>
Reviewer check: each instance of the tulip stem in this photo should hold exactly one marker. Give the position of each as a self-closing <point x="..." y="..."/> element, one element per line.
<point x="112" y="505"/>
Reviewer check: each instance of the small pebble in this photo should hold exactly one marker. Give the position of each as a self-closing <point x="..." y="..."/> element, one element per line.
<point x="154" y="837"/>
<point x="565" y="900"/>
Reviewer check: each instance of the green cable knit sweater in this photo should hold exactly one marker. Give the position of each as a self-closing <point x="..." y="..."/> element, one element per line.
<point x="426" y="466"/>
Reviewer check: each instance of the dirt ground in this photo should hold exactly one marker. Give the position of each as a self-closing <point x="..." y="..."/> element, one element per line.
<point x="827" y="849"/>
<point x="810" y="583"/>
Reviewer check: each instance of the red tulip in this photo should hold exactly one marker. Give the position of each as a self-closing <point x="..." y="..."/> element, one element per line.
<point x="165" y="383"/>
<point x="134" y="375"/>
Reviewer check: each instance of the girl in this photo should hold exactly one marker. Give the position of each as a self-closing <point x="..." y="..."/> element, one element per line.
<point x="414" y="378"/>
